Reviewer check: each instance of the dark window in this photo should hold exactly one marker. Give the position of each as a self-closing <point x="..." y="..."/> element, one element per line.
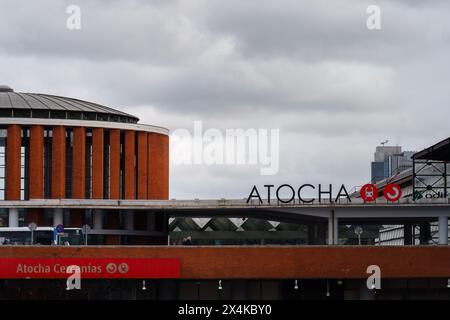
<point x="22" y="113"/>
<point x="122" y="165"/>
<point x="102" y="117"/>
<point x="58" y="114"/>
<point x="40" y="113"/>
<point x="88" y="181"/>
<point x="5" y="113"/>
<point x="25" y="164"/>
<point x="135" y="165"/>
<point x="47" y="162"/>
<point x="106" y="164"/>
<point x="2" y="163"/>
<point x="74" y="115"/>
<point x="89" y="116"/>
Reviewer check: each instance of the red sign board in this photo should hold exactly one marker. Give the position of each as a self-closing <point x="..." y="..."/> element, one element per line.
<point x="90" y="268"/>
<point x="369" y="192"/>
<point x="393" y="192"/>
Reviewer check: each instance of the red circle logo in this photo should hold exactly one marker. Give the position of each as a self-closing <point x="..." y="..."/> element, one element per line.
<point x="392" y="192"/>
<point x="369" y="192"/>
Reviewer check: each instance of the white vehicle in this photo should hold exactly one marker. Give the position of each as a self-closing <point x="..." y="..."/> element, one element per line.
<point x="41" y="236"/>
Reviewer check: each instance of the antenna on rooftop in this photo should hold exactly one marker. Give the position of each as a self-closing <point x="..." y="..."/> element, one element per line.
<point x="384" y="142"/>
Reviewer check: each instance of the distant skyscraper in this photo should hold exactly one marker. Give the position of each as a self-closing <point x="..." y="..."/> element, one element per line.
<point x="388" y="161"/>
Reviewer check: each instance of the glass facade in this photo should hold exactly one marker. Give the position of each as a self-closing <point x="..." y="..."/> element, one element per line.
<point x="106" y="164"/>
<point x="69" y="161"/>
<point x="88" y="183"/>
<point x="3" y="134"/>
<point x="47" y="162"/>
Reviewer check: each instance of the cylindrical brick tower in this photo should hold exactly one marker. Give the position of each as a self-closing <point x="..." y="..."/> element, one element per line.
<point x="54" y="147"/>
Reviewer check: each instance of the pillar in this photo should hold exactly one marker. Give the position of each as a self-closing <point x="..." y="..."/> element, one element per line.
<point x="425" y="233"/>
<point x="114" y="165"/>
<point x="158" y="166"/>
<point x="36" y="189"/>
<point x="408" y="234"/>
<point x="57" y="216"/>
<point x="13" y="145"/>
<point x="58" y="162"/>
<point x="335" y="230"/>
<point x="98" y="219"/>
<point x="330" y="230"/>
<point x="129" y="220"/>
<point x="97" y="163"/>
<point x="443" y="230"/>
<point x="142" y="164"/>
<point x="79" y="163"/>
<point x="13" y="218"/>
<point x="129" y="165"/>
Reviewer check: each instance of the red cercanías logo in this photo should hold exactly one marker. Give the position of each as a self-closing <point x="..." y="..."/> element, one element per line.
<point x="392" y="192"/>
<point x="369" y="192"/>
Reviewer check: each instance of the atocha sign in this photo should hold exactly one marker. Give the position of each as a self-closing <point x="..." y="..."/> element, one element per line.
<point x="369" y="193"/>
<point x="90" y="268"/>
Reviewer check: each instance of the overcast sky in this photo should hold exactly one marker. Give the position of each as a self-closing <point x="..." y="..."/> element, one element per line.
<point x="309" y="68"/>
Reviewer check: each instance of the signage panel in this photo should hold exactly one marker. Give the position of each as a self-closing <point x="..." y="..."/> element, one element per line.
<point x="90" y="268"/>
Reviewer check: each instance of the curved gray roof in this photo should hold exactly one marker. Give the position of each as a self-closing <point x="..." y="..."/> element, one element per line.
<point x="37" y="105"/>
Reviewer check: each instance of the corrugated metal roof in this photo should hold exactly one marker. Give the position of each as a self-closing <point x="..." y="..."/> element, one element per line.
<point x="37" y="101"/>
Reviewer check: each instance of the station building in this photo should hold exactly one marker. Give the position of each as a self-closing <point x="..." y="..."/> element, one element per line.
<point x="54" y="147"/>
<point x="69" y="162"/>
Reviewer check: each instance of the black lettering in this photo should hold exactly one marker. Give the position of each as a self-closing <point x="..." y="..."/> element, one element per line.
<point x="292" y="190"/>
<point x="343" y="192"/>
<point x="324" y="192"/>
<point x="300" y="190"/>
<point x="254" y="196"/>
<point x="268" y="186"/>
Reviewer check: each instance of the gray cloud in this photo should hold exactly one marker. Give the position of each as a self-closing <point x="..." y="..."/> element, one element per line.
<point x="309" y="68"/>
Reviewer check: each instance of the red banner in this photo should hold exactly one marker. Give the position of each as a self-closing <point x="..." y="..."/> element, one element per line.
<point x="89" y="268"/>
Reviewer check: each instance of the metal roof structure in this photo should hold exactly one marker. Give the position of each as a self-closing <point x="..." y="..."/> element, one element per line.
<point x="36" y="105"/>
<point x="439" y="151"/>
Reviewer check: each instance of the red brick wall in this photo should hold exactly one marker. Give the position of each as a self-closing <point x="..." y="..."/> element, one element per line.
<point x="37" y="164"/>
<point x="97" y="163"/>
<point x="13" y="143"/>
<point x="79" y="163"/>
<point x="158" y="171"/>
<point x="151" y="158"/>
<point x="142" y="162"/>
<point x="271" y="262"/>
<point x="58" y="162"/>
<point x="114" y="157"/>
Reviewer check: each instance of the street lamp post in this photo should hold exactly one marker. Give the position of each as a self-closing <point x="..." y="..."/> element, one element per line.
<point x="358" y="232"/>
